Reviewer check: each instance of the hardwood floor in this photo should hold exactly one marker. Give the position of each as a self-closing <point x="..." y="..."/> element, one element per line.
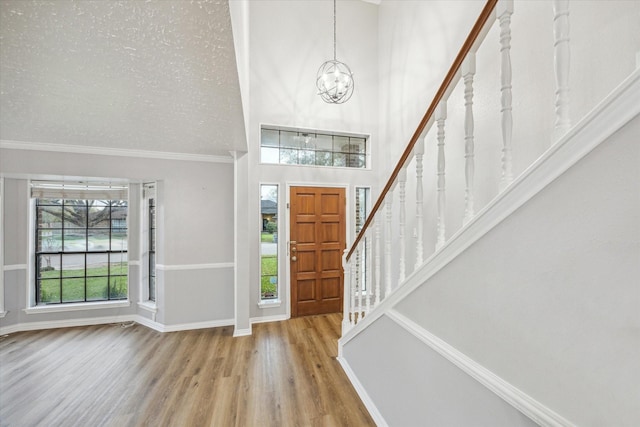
<point x="285" y="374"/>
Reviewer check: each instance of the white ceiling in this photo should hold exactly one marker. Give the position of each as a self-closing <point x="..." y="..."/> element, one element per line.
<point x="147" y="75"/>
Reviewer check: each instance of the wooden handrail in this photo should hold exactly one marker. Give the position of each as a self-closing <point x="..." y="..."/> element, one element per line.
<point x="464" y="51"/>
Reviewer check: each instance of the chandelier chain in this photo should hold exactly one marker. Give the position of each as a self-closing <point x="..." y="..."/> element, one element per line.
<point x="334" y="30"/>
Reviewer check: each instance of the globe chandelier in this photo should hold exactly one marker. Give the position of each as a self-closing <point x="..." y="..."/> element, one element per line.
<point x="335" y="79"/>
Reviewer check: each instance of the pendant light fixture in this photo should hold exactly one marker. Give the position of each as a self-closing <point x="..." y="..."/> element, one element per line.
<point x="335" y="79"/>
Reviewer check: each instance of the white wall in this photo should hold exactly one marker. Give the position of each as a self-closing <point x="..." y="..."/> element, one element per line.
<point x="195" y="239"/>
<point x="288" y="43"/>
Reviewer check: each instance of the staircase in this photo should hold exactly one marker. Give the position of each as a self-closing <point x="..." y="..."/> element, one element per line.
<point x="517" y="307"/>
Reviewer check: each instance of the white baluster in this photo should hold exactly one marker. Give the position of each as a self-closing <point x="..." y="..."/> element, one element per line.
<point x="352" y="289"/>
<point x="376" y="261"/>
<point x="346" y="318"/>
<point x="441" y="116"/>
<point x="366" y="269"/>
<point x="468" y="71"/>
<point x="402" y="180"/>
<point x="504" y="10"/>
<point x="419" y="150"/>
<point x="387" y="245"/>
<point x="359" y="282"/>
<point x="561" y="56"/>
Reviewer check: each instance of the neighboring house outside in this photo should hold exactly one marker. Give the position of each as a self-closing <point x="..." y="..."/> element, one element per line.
<point x="269" y="210"/>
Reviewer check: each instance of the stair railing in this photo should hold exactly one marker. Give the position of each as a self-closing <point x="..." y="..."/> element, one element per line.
<point x="372" y="269"/>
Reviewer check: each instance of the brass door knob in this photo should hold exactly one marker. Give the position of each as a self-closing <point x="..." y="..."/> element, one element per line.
<point x="294" y="258"/>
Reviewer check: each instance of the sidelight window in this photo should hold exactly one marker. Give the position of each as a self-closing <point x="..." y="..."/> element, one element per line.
<point x="269" y="242"/>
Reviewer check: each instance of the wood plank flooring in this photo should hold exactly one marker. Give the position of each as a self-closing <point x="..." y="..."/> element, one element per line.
<point x="285" y="374"/>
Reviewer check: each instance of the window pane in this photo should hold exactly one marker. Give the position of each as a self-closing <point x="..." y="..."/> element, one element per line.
<point x="49" y="240"/>
<point x="152" y="288"/>
<point x="48" y="266"/>
<point x="97" y="264"/>
<point x="289" y="139"/>
<point x="339" y="159"/>
<point x="119" y="214"/>
<point x="118" y="264"/>
<point x="50" y="216"/>
<point x="269" y="242"/>
<point x="118" y="287"/>
<point x="307" y="157"/>
<point x="98" y="239"/>
<point x="357" y="145"/>
<point x="152" y="264"/>
<point x="341" y="144"/>
<point x="97" y="288"/>
<point x="356" y="160"/>
<point x="324" y="158"/>
<point x="75" y="214"/>
<point x="269" y="138"/>
<point x="119" y="239"/>
<point x="75" y="240"/>
<point x="324" y="142"/>
<point x="73" y="265"/>
<point x="49" y="291"/>
<point x="269" y="155"/>
<point x="99" y="212"/>
<point x="73" y="289"/>
<point x="288" y="156"/>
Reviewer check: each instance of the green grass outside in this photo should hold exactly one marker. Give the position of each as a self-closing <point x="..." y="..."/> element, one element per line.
<point x="73" y="288"/>
<point x="269" y="270"/>
<point x="266" y="237"/>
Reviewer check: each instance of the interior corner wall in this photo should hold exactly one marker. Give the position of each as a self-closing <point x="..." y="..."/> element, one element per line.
<point x="195" y="254"/>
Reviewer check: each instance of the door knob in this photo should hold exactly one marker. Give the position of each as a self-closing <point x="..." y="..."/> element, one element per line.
<point x="294" y="258"/>
<point x="293" y="249"/>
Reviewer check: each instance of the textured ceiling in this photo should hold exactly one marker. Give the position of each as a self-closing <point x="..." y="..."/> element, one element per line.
<point x="148" y="75"/>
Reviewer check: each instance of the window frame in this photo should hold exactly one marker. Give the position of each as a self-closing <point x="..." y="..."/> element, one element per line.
<point x="275" y="301"/>
<point x="348" y="155"/>
<point x="34" y="303"/>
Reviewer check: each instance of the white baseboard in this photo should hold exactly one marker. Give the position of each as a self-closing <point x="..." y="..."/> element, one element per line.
<point x="54" y="324"/>
<point x="364" y="396"/>
<point x="536" y="411"/>
<point x="267" y="319"/>
<point x="242" y="332"/>
<point x="33" y="326"/>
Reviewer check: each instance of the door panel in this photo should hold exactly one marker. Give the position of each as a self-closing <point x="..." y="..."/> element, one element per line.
<point x="317" y="243"/>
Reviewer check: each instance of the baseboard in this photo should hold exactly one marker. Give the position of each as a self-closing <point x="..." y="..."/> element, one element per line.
<point x="242" y="332"/>
<point x="55" y="324"/>
<point x="267" y="319"/>
<point x="536" y="411"/>
<point x="33" y="326"/>
<point x="364" y="396"/>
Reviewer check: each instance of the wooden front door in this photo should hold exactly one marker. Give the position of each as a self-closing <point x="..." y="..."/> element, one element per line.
<point x="318" y="236"/>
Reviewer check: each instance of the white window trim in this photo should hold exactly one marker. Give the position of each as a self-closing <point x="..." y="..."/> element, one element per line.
<point x="31" y="307"/>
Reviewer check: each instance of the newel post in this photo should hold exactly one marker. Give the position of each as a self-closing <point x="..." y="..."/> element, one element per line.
<point x="346" y="293"/>
<point x="402" y="180"/>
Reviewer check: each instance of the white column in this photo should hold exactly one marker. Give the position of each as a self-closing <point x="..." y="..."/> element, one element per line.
<point x="419" y="151"/>
<point x="441" y="116"/>
<point x="561" y="56"/>
<point x="376" y="259"/>
<point x="504" y="10"/>
<point x="387" y="244"/>
<point x="402" y="180"/>
<point x="468" y="71"/>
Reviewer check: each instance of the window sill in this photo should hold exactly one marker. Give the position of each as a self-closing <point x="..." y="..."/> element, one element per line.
<point x="51" y="308"/>
<point x="272" y="303"/>
<point x="149" y="306"/>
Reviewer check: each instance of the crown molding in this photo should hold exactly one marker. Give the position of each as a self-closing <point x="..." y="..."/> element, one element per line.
<point x="107" y="151"/>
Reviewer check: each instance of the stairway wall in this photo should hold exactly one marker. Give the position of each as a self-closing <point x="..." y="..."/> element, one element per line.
<point x="547" y="300"/>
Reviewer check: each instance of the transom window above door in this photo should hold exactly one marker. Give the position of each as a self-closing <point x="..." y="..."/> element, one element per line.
<point x="313" y="148"/>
